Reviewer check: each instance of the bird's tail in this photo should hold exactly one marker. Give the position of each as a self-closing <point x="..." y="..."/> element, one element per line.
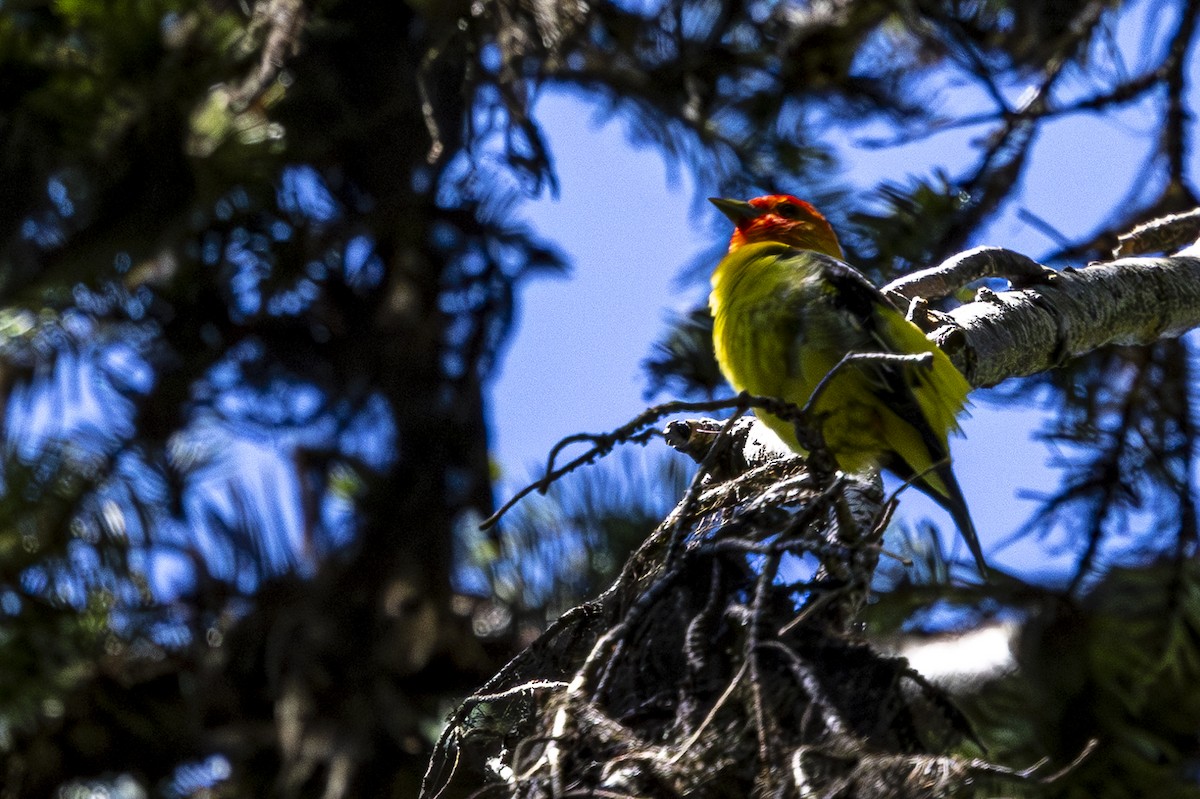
<point x="926" y="465"/>
<point x="955" y="503"/>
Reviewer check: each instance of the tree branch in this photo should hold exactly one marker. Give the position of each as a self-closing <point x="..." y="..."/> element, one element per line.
<point x="1025" y="331"/>
<point x="966" y="267"/>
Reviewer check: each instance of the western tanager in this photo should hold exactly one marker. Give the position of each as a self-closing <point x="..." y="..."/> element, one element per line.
<point x="786" y="309"/>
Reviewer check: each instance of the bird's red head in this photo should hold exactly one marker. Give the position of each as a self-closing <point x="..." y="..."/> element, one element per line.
<point x="781" y="218"/>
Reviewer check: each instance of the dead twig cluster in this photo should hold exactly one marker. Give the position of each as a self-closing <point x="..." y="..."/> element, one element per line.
<point x="723" y="661"/>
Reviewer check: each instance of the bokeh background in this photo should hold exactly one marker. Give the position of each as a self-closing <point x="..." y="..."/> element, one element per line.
<point x="294" y="294"/>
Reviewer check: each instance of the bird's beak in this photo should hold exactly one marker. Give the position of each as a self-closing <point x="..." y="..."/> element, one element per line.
<point x="736" y="210"/>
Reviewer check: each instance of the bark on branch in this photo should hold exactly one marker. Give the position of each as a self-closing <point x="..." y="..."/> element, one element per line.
<point x="1025" y="331"/>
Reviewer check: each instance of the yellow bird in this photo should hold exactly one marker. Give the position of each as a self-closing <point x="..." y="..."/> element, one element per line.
<point x="786" y="310"/>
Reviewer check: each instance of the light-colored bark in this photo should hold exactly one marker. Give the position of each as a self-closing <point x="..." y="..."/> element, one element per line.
<point x="1025" y="331"/>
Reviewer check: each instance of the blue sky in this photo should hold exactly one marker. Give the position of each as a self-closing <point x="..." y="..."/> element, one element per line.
<point x="574" y="362"/>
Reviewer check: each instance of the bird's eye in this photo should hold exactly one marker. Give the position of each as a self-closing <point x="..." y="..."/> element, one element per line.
<point x="788" y="210"/>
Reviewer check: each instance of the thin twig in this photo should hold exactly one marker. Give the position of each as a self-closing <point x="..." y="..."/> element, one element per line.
<point x="630" y="432"/>
<point x="692" y="494"/>
<point x="712" y="713"/>
<point x="921" y="358"/>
